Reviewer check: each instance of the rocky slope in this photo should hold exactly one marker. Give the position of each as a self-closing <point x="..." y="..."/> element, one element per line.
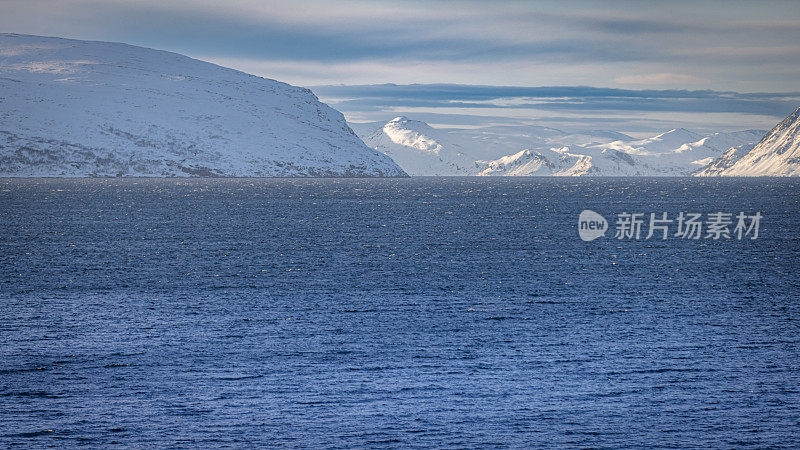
<point x="777" y="154"/>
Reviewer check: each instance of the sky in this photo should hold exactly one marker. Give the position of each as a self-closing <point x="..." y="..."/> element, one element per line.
<point x="631" y="66"/>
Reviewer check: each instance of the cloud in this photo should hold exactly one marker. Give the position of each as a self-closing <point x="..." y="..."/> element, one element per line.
<point x="494" y="43"/>
<point x="660" y="79"/>
<point x="706" y="62"/>
<point x="558" y="97"/>
<point x="570" y="107"/>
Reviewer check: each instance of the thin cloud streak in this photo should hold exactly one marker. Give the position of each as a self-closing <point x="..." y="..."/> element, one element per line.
<point x="449" y="94"/>
<point x="579" y="106"/>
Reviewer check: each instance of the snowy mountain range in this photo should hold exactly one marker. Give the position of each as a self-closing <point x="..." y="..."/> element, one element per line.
<point x="540" y="151"/>
<point x="81" y="108"/>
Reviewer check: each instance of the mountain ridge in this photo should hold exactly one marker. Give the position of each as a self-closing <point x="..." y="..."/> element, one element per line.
<point x="542" y="151"/>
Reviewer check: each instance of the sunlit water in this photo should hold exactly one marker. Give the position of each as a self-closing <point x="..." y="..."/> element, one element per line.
<point x="416" y="312"/>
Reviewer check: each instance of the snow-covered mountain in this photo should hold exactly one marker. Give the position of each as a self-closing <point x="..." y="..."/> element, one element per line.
<point x="417" y="147"/>
<point x="80" y="108"/>
<point x="777" y="154"/>
<point x="541" y="151"/>
<point x="423" y="150"/>
<point x="553" y="162"/>
<point x="677" y="152"/>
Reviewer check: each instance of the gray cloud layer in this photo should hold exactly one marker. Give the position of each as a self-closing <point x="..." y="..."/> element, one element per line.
<point x="721" y="44"/>
<point x="676" y="50"/>
<point x="580" y="104"/>
<point x="557" y="98"/>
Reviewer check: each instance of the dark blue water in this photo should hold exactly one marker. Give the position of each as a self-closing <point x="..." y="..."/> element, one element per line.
<point x="416" y="312"/>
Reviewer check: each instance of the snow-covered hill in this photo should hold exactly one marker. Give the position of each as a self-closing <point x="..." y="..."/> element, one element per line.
<point x="541" y="151"/>
<point x="777" y="154"/>
<point x="80" y="108"/>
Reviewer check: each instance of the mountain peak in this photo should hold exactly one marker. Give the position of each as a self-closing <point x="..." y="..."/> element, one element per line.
<point x="412" y="133"/>
<point x="790" y="120"/>
<point x="681" y="132"/>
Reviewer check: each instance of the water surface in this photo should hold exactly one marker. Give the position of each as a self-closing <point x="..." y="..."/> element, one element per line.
<point x="458" y="312"/>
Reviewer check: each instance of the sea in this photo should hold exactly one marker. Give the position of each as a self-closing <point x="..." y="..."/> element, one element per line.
<point x="399" y="313"/>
